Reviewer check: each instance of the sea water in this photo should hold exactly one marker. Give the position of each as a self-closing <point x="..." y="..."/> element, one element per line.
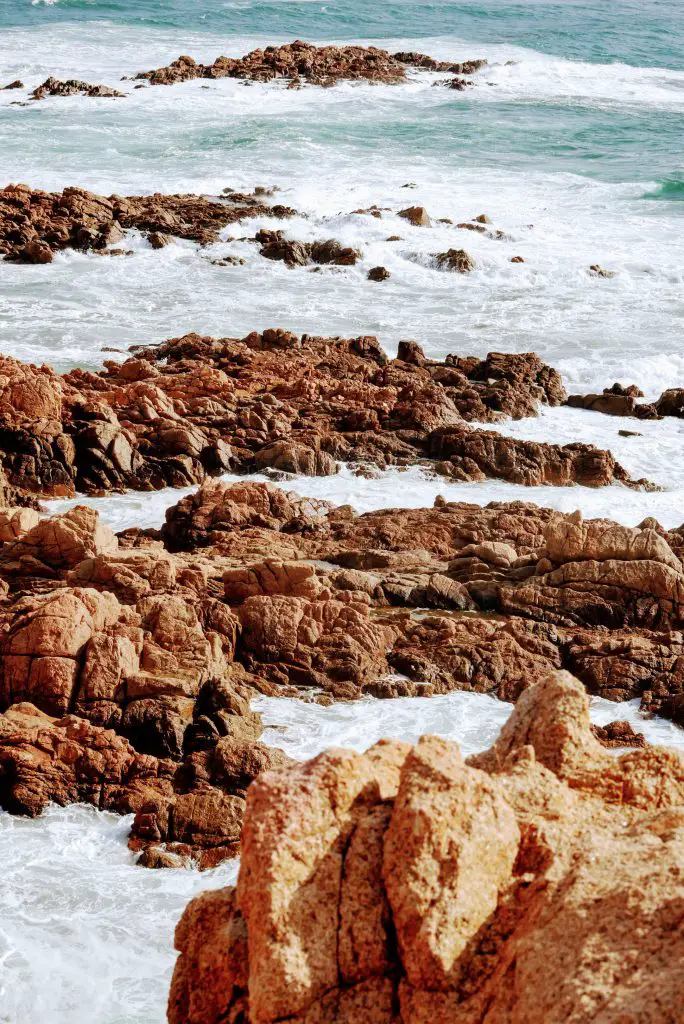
<point x="569" y="140"/>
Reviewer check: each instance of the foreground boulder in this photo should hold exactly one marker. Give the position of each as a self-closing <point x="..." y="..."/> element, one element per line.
<point x="405" y="884"/>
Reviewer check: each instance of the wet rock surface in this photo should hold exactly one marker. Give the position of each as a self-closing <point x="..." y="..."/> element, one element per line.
<point x="299" y="62"/>
<point x="195" y="407"/>
<point x="34" y="225"/>
<point x="73" y="87"/>
<point x="407" y="884"/>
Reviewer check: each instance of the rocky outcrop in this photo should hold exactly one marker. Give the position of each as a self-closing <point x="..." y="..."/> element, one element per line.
<point x="300" y="254"/>
<point x="193" y="407"/>
<point x="616" y="401"/>
<point x="622" y="401"/>
<point x="671" y="403"/>
<point x="598" y="573"/>
<point x="300" y="62"/>
<point x="407" y="884"/>
<point x="421" y="60"/>
<point x="192" y="812"/>
<point x="479" y="454"/>
<point x="73" y="87"/>
<point x="35" y="225"/>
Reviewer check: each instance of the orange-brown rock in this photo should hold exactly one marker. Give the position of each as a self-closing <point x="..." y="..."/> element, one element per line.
<point x="195" y="407"/>
<point x="617" y="401"/>
<point x="68" y="760"/>
<point x="599" y="573"/>
<point x="406" y="885"/>
<point x="34" y="225"/>
<point x="671" y="403"/>
<point x="481" y="454"/>
<point x="299" y="254"/>
<point x="455" y="259"/>
<point x="72" y="87"/>
<point x="302" y="62"/>
<point x="195" y="809"/>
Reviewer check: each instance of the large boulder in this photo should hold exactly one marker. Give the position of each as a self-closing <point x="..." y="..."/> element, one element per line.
<point x="539" y="881"/>
<point x="601" y="574"/>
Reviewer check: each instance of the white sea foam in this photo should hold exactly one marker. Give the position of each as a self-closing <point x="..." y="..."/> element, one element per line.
<point x="86" y="936"/>
<point x="365" y="144"/>
<point x="473" y="720"/>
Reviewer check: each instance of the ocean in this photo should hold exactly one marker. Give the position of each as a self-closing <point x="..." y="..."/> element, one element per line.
<point x="570" y="142"/>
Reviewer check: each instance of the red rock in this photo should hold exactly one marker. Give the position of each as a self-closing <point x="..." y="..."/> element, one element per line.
<point x="302" y="62"/>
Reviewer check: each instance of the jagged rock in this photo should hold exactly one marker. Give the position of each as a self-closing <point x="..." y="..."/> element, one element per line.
<point x="479" y="454"/>
<point x="195" y="407"/>
<point x="421" y="60"/>
<point x="299" y="254"/>
<point x="616" y="401"/>
<point x="408" y="885"/>
<point x="455" y="259"/>
<point x="16" y="84"/>
<point x="302" y="62"/>
<point x="378" y="274"/>
<point x="72" y="87"/>
<point x="599" y="573"/>
<point x="58" y="543"/>
<point x="416" y="215"/>
<point x="671" y="403"/>
<point x="35" y="224"/>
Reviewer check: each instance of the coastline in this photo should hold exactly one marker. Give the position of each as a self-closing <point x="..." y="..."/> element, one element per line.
<point x="225" y="552"/>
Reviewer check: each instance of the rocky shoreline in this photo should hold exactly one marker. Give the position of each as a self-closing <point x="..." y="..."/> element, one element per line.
<point x="129" y="661"/>
<point x="194" y="407"/>
<point x="538" y="881"/>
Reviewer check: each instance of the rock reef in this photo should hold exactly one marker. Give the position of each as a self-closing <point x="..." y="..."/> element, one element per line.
<point x="193" y="407"/>
<point x="300" y="62"/>
<point x="34" y="225"/>
<point x="408" y="885"/>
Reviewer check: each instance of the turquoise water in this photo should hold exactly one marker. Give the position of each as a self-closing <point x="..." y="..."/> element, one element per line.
<point x="645" y="34"/>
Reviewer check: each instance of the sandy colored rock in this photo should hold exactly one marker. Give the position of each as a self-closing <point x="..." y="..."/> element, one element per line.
<point x="545" y="842"/>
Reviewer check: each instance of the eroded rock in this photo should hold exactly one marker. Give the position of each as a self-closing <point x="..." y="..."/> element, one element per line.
<point x="408" y="885"/>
